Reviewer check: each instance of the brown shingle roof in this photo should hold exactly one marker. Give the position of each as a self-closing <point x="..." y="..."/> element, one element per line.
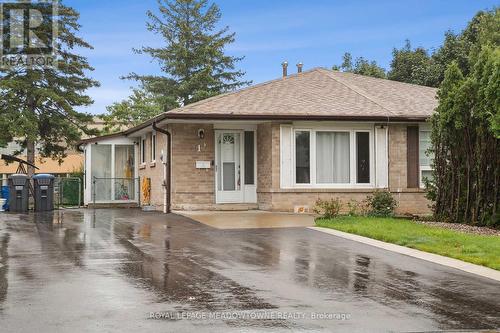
<point x="319" y="93"/>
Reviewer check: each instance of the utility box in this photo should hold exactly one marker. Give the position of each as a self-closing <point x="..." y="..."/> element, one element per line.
<point x="44" y="192"/>
<point x="18" y="193"/>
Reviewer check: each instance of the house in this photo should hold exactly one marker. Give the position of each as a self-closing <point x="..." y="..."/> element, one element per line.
<point x="72" y="163"/>
<point x="278" y="145"/>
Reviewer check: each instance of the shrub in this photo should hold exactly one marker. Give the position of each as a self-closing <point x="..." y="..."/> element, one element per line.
<point x="327" y="208"/>
<point x="358" y="208"/>
<point x="382" y="203"/>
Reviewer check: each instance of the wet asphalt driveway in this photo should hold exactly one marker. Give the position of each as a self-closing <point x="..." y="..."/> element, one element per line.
<point x="114" y="272"/>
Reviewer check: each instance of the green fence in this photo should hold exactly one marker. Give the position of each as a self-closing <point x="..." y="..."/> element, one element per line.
<point x="68" y="191"/>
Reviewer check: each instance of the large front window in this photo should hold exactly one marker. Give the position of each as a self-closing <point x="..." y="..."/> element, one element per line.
<point x="332" y="158"/>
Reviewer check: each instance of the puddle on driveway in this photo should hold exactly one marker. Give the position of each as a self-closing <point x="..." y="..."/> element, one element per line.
<point x="113" y="270"/>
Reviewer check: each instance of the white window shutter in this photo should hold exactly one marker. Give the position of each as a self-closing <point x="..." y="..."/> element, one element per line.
<point x="381" y="157"/>
<point x="286" y="171"/>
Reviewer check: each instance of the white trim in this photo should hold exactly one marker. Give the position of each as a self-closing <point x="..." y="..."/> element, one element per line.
<point x="422" y="128"/>
<point x="113" y="142"/>
<point x="153" y="147"/>
<point x="294" y="158"/>
<point x="142" y="150"/>
<point x="286" y="164"/>
<point x="113" y="167"/>
<point x="236" y="196"/>
<point x="246" y="193"/>
<point x="381" y="157"/>
<point x="235" y="126"/>
<point x="313" y="128"/>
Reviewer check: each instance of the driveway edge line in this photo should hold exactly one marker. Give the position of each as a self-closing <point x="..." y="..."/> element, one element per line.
<point x="434" y="258"/>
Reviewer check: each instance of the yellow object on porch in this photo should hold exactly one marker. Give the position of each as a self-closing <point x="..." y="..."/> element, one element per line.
<point x="146" y="191"/>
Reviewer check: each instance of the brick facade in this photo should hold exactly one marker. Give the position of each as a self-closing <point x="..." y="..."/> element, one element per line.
<point x="154" y="171"/>
<point x="271" y="197"/>
<point x="192" y="188"/>
<point x="195" y="188"/>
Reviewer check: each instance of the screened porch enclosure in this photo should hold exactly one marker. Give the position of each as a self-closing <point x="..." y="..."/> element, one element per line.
<point x="111" y="173"/>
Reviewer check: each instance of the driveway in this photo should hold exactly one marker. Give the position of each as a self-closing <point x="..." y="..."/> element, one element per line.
<point x="125" y="271"/>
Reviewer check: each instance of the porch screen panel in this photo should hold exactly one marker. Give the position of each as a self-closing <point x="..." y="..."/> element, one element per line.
<point x="249" y="158"/>
<point x="302" y="157"/>
<point x="124" y="181"/>
<point x="101" y="169"/>
<point x="332" y="157"/>
<point x="363" y="157"/>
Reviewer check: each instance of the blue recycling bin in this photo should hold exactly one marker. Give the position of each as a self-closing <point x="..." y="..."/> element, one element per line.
<point x="5" y="195"/>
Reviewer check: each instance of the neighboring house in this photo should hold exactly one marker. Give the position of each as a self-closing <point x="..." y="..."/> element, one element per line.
<point x="279" y="145"/>
<point x="71" y="163"/>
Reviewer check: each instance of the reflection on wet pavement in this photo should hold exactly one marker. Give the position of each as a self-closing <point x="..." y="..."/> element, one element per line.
<point x="108" y="270"/>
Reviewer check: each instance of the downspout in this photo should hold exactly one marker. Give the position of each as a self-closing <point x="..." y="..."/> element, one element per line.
<point x="166" y="169"/>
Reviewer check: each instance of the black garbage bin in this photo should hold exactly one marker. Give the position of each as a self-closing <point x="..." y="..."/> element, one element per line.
<point x="18" y="193"/>
<point x="44" y="192"/>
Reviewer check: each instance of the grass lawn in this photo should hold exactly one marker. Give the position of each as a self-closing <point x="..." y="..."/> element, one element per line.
<point x="477" y="249"/>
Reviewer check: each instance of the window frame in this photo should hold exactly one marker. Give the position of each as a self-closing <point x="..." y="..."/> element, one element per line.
<point x="352" y="130"/>
<point x="294" y="156"/>
<point x="153" y="148"/>
<point x="371" y="156"/>
<point x="142" y="149"/>
<point x="421" y="168"/>
<point x="315" y="160"/>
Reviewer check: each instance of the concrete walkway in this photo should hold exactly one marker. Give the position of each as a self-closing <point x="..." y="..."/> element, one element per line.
<point x="249" y="219"/>
<point x="434" y="258"/>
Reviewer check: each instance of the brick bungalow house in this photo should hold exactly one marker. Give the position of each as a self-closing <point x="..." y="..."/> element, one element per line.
<point x="278" y="145"/>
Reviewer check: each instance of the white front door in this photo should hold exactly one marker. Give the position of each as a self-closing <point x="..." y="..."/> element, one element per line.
<point x="228" y="166"/>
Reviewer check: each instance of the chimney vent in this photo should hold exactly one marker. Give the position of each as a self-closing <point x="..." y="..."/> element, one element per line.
<point x="284" y="64"/>
<point x="299" y="67"/>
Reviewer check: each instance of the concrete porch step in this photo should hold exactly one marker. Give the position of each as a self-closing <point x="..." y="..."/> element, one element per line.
<point x="235" y="207"/>
<point x="114" y="205"/>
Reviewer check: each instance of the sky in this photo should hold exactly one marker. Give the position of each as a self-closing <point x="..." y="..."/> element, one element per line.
<point x="314" y="32"/>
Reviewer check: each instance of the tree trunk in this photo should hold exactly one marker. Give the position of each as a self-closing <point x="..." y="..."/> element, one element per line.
<point x="30" y="156"/>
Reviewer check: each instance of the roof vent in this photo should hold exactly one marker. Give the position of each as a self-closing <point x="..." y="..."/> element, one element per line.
<point x="299" y="67"/>
<point x="284" y="64"/>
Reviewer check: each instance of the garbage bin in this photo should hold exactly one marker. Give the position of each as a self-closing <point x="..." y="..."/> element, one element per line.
<point x="44" y="192"/>
<point x="5" y="196"/>
<point x="18" y="193"/>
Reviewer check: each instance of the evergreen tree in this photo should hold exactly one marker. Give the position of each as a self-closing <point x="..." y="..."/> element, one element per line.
<point x="137" y="108"/>
<point x="361" y="66"/>
<point x="193" y="59"/>
<point x="39" y="103"/>
<point x="466" y="142"/>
